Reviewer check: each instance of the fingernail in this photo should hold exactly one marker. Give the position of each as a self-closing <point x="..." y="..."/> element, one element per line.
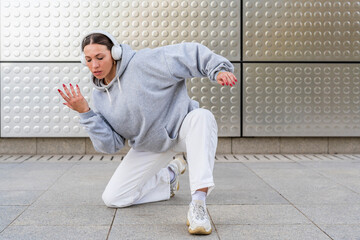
<point x="223" y="84"/>
<point x="63" y="85"/>
<point x="230" y="84"/>
<point x="235" y="80"/>
<point x="59" y="90"/>
<point x="77" y="85"/>
<point x="70" y="84"/>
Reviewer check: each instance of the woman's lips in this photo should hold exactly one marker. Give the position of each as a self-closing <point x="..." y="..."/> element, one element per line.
<point x="97" y="73"/>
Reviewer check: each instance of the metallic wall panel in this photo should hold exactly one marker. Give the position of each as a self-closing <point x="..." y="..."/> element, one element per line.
<point x="222" y="101"/>
<point x="31" y="106"/>
<point x="301" y="30"/>
<point x="43" y="30"/>
<point x="301" y="99"/>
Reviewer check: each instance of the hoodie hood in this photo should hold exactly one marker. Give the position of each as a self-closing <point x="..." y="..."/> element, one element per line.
<point x="127" y="54"/>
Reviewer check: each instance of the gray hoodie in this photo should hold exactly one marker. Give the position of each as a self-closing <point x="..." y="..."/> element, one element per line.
<point x="147" y="100"/>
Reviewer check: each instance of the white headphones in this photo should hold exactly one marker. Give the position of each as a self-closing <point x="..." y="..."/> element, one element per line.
<point x="116" y="50"/>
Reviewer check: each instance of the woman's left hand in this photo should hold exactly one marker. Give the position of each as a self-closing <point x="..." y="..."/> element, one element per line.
<point x="226" y="78"/>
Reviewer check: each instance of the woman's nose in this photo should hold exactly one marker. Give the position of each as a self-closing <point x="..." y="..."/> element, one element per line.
<point x="95" y="64"/>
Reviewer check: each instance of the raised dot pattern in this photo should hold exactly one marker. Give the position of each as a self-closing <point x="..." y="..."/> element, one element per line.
<point x="222" y="101"/>
<point x="301" y="30"/>
<point x="301" y="100"/>
<point x="52" y="30"/>
<point x="31" y="103"/>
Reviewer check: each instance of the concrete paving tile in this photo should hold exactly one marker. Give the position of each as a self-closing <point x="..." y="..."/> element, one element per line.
<point x="231" y="169"/>
<point x="304" y="186"/>
<point x="270" y="232"/>
<point x="32" y="176"/>
<point x="72" y="197"/>
<point x="274" y="165"/>
<point x="332" y="165"/>
<point x="156" y="231"/>
<point x="151" y="214"/>
<point x="345" y="173"/>
<point x="180" y="198"/>
<point x="95" y="169"/>
<point x="18" y="197"/>
<point x="35" y="169"/>
<point x="26" y="184"/>
<point x="241" y="196"/>
<point x="55" y="232"/>
<point x="317" y="193"/>
<point x="5" y="166"/>
<point x="66" y="215"/>
<point x="332" y="214"/>
<point x="342" y="232"/>
<point x="8" y="214"/>
<point x="86" y="176"/>
<point x="183" y="196"/>
<point x="234" y="184"/>
<point x="256" y="214"/>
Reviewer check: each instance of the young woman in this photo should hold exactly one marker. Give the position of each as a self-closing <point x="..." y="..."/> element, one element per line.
<point x="141" y="96"/>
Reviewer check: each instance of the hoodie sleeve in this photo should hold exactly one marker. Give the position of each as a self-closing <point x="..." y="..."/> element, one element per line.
<point x="103" y="137"/>
<point x="187" y="60"/>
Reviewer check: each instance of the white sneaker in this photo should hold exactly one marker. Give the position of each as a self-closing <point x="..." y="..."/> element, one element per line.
<point x="178" y="166"/>
<point x="198" y="219"/>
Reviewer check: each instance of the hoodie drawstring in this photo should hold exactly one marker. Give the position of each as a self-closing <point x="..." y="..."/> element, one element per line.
<point x="118" y="80"/>
<point x="108" y="95"/>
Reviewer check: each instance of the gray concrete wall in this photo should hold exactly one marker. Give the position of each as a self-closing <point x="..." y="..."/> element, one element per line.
<point x="226" y="145"/>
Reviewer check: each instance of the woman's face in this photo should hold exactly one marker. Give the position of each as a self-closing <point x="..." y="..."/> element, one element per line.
<point x="98" y="59"/>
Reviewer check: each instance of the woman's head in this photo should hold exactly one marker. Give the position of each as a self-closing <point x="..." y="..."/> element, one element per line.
<point x="97" y="38"/>
<point x="97" y="52"/>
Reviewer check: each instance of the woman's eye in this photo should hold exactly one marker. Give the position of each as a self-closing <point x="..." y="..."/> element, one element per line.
<point x="100" y="58"/>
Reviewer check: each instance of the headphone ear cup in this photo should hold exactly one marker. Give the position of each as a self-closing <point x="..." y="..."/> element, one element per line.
<point x="116" y="52"/>
<point x="82" y="59"/>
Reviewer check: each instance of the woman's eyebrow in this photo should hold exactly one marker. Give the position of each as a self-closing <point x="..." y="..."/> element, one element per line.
<point x="95" y="55"/>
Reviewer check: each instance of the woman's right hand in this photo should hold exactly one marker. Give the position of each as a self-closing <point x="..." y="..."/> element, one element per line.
<point x="75" y="100"/>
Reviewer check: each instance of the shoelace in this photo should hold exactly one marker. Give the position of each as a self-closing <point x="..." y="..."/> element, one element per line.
<point x="199" y="212"/>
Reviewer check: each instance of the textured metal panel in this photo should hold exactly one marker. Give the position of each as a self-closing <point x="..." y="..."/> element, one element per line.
<point x="31" y="106"/>
<point x="301" y="30"/>
<point x="301" y="100"/>
<point x="222" y="101"/>
<point x="51" y="30"/>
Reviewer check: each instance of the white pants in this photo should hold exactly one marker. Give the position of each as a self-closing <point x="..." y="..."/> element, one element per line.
<point x="143" y="177"/>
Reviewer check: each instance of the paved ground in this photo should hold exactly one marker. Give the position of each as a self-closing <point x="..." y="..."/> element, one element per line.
<point x="256" y="197"/>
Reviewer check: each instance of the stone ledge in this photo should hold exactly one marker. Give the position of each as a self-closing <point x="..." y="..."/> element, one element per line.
<point x="226" y="145"/>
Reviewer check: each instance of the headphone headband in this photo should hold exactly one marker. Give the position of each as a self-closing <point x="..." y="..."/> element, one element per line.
<point x="104" y="33"/>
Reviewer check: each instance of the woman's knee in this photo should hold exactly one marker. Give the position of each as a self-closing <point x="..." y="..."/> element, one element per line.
<point x="204" y="115"/>
<point x="206" y="118"/>
<point x="108" y="198"/>
<point x="117" y="200"/>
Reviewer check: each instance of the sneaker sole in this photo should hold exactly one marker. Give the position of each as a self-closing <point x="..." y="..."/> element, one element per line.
<point x="198" y="230"/>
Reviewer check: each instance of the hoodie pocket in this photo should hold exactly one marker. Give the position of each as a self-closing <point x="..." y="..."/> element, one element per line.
<point x="171" y="137"/>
